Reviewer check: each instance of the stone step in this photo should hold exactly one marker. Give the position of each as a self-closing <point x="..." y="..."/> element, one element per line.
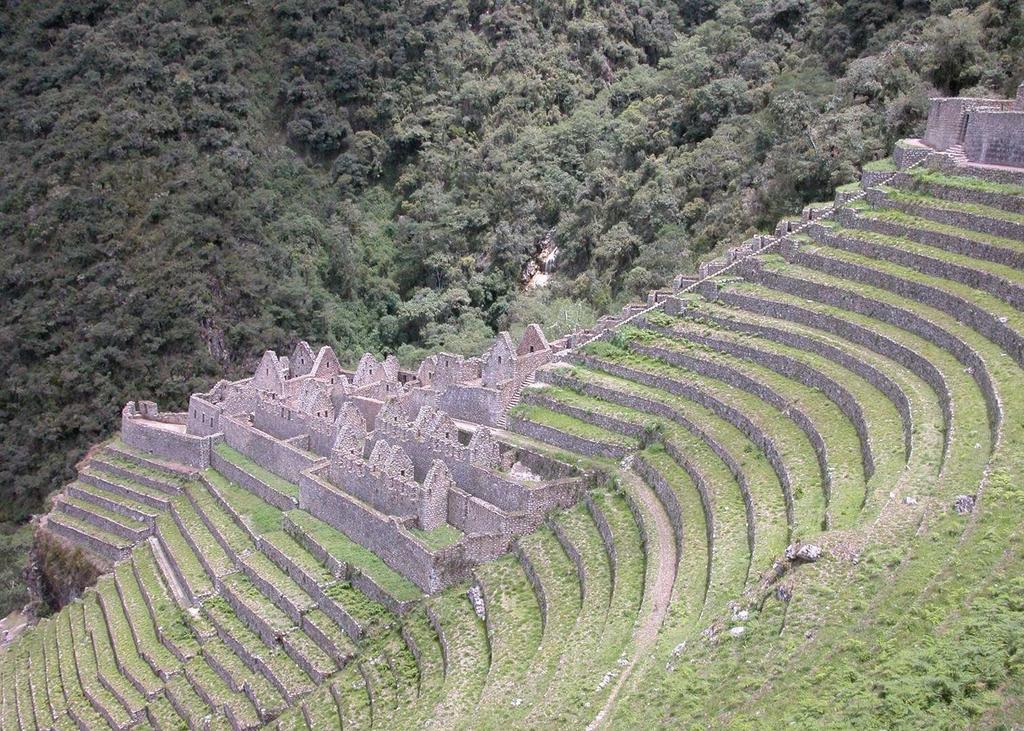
<point x="83" y="662"/>
<point x="108" y="669"/>
<point x="187" y="703"/>
<point x="105" y="520"/>
<point x="841" y="331"/>
<point x="960" y="189"/>
<point x="241" y="470"/>
<point x="113" y="502"/>
<point x="900" y="313"/>
<point x="123" y="649"/>
<point x="124" y="489"/>
<point x="274" y="664"/>
<point x="264" y="697"/>
<point x="89" y="537"/>
<point x="142" y="625"/>
<point x="160" y="468"/>
<point x="219" y="696"/>
<point x="980" y="219"/>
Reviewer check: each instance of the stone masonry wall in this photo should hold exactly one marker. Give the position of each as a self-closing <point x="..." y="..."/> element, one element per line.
<point x="995" y="138"/>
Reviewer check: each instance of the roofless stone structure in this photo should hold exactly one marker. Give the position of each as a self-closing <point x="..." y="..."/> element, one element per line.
<point x="381" y="454"/>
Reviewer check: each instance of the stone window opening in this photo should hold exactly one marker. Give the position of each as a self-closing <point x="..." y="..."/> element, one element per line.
<point x="531" y="348"/>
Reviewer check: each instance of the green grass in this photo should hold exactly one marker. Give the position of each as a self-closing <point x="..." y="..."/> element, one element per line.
<point x="265" y="476"/>
<point x="892" y="215"/>
<point x="570" y="425"/>
<point x="347" y="551"/>
<point x="885" y="165"/>
<point x="977" y="209"/>
<point x="261" y="516"/>
<point x="514" y="627"/>
<point x="438" y="538"/>
<point x="967" y="182"/>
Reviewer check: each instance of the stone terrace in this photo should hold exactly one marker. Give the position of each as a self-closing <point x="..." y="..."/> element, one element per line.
<point x="506" y="540"/>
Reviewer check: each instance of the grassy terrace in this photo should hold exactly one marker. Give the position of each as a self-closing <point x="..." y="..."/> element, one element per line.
<point x="96" y="627"/>
<point x="103" y="513"/>
<point x="514" y="624"/>
<point x="469" y="656"/>
<point x="1008" y="315"/>
<point x="926" y="413"/>
<point x="946" y="606"/>
<point x="762" y="483"/>
<point x="349" y="552"/>
<point x="265" y="476"/>
<point x="1010" y="274"/>
<point x="88" y="669"/>
<point x="881" y="415"/>
<point x="970" y="421"/>
<point x="732" y="555"/>
<point x="260" y="516"/>
<point x="282" y="668"/>
<point x="213" y="554"/>
<point x="218" y="654"/>
<point x="352" y="698"/>
<point x="181" y="553"/>
<point x="841" y="439"/>
<point x="702" y="572"/>
<point x="879" y="576"/>
<point x="171" y="620"/>
<point x="968" y="182"/>
<point x="905" y="196"/>
<point x="793" y="445"/>
<point x="122" y="455"/>
<point x="431" y="676"/>
<point x="588" y="647"/>
<point x="863" y="208"/>
<point x="83" y="526"/>
<point x="571" y="425"/>
<point x="438" y="538"/>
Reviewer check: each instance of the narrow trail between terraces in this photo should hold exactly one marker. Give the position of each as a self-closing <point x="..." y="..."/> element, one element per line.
<point x="658" y="592"/>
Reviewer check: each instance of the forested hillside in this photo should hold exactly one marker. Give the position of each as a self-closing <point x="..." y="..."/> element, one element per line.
<point x="186" y="184"/>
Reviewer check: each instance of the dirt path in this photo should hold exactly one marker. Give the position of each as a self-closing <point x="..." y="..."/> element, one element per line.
<point x="658" y="592"/>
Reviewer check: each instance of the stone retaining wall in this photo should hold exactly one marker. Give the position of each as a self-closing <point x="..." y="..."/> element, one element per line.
<point x="269" y="453"/>
<point x="180" y="447"/>
<point x="995" y="138"/>
<point x="667" y="497"/>
<point x="572" y="553"/>
<point x="607" y="539"/>
<point x="535" y="583"/>
<point x="1004" y="289"/>
<point x="957" y="307"/>
<point x="898" y="317"/>
<point x="949" y="217"/>
<point x="736" y="417"/>
<point x="90" y="543"/>
<point x="798" y="371"/>
<point x="945" y="241"/>
<point x="892" y="390"/>
<point x="960" y="194"/>
<point x="568" y="442"/>
<point x="253" y="484"/>
<point x="666" y="412"/>
<point x="740" y="380"/>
